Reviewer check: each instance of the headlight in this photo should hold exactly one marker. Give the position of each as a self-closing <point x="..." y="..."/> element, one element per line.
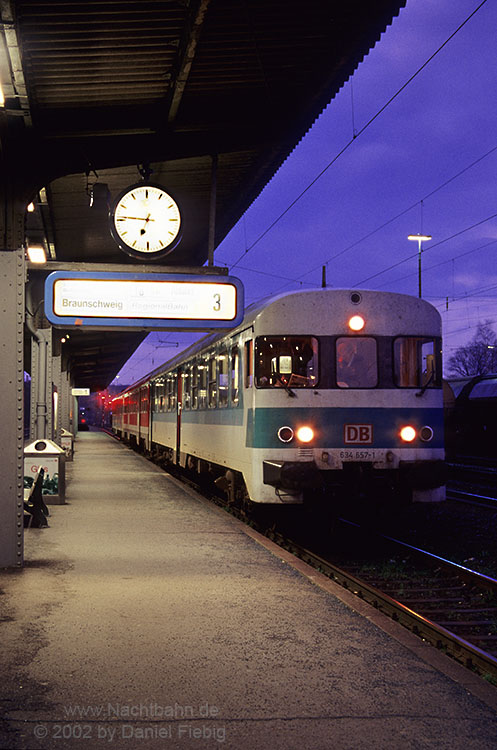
<point x="407" y="433"/>
<point x="426" y="434"/>
<point x="305" y="434"/>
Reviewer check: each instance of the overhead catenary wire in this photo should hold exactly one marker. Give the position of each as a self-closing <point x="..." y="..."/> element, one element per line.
<point x="443" y="263"/>
<point x="357" y="135"/>
<point x="413" y="255"/>
<point x="382" y="226"/>
<point x="431" y="247"/>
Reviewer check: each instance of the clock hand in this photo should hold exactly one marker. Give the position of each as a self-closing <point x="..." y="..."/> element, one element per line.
<point x="144" y="229"/>
<point x="137" y="218"/>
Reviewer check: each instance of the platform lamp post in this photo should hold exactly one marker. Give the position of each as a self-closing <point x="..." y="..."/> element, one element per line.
<point x="419" y="238"/>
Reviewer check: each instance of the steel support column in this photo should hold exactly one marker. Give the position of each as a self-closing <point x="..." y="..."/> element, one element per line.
<point x="65" y="401"/>
<point x="41" y="385"/>
<point x="57" y="405"/>
<point x="12" y="280"/>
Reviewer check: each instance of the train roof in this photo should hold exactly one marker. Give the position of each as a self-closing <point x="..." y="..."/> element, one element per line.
<point x="257" y="308"/>
<point x="473" y="387"/>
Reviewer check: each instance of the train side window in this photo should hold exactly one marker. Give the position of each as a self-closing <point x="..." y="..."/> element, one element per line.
<point x="171" y="393"/>
<point x="222" y="378"/>
<point x="235" y="375"/>
<point x="356" y="362"/>
<point x="202" y="385"/>
<point x="212" y="384"/>
<point x="286" y="361"/>
<point x="155" y="398"/>
<point x="415" y="362"/>
<point x="249" y="359"/>
<point x="187" y="382"/>
<point x="194" y="380"/>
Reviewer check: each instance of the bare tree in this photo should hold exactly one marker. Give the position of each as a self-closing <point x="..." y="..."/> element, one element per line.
<point x="479" y="357"/>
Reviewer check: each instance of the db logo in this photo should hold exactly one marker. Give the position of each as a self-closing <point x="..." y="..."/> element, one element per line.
<point x="358" y="434"/>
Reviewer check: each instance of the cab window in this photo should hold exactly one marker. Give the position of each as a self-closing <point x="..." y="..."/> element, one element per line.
<point x="282" y="361"/>
<point x="356" y="362"/>
<point x="415" y="362"/>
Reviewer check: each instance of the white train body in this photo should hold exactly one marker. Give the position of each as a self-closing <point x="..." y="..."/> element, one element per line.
<point x="370" y="399"/>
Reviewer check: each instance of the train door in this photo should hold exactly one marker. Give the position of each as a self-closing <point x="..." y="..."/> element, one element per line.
<point x="144" y="417"/>
<point x="179" y="409"/>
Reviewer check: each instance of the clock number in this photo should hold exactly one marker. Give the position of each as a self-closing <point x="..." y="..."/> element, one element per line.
<point x="217" y="302"/>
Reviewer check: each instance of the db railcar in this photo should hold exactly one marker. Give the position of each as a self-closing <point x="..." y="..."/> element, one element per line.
<point x="317" y="393"/>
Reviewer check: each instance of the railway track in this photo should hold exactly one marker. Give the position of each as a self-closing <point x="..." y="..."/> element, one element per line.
<point x="473" y="481"/>
<point x="482" y="472"/>
<point x="472" y="498"/>
<point x="450" y="606"/>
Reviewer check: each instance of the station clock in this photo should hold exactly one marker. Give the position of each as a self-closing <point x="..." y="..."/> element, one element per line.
<point x="145" y="221"/>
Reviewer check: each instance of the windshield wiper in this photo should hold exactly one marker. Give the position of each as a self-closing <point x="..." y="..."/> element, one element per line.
<point x="430" y="380"/>
<point x="285" y="385"/>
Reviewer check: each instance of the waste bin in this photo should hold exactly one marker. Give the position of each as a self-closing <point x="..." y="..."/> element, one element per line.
<point x="67" y="443"/>
<point x="48" y="454"/>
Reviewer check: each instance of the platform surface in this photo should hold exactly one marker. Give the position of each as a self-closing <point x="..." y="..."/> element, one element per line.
<point x="146" y="619"/>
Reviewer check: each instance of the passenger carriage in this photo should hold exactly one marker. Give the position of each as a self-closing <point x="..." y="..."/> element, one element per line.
<point x="317" y="391"/>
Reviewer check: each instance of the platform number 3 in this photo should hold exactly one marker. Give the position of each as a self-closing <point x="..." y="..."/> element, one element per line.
<point x="217" y="302"/>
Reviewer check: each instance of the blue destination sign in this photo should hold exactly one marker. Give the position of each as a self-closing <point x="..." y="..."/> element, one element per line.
<point x="149" y="301"/>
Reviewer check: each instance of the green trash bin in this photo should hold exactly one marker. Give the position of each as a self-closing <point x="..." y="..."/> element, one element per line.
<point x="48" y="454"/>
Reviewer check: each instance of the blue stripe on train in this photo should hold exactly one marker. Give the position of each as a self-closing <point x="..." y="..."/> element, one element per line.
<point x="233" y="416"/>
<point x="329" y="425"/>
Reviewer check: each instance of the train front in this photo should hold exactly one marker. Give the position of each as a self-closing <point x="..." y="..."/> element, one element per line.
<point x="348" y="397"/>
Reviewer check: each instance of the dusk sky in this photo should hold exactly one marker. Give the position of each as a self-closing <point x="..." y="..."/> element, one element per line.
<point x="389" y="157"/>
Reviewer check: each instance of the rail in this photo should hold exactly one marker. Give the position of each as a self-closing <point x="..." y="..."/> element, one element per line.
<point x="439" y="636"/>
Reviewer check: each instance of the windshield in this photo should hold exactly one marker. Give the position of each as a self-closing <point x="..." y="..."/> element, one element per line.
<point x="282" y="361"/>
<point x="356" y="362"/>
<point x="415" y="362"/>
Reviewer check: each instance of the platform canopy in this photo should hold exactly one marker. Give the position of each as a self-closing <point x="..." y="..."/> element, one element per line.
<point x="201" y="91"/>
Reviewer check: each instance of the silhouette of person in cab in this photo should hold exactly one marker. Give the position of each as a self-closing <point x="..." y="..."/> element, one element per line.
<point x="351" y="366"/>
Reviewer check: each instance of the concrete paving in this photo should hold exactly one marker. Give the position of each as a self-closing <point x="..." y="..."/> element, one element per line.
<point x="146" y="619"/>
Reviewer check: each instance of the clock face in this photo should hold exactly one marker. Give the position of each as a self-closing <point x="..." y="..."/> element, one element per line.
<point x="145" y="221"/>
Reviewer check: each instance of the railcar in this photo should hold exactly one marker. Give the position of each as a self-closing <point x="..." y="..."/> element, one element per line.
<point x="317" y="393"/>
<point x="471" y="417"/>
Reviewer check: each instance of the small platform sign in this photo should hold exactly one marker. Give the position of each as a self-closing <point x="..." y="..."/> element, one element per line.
<point x="150" y="301"/>
<point x="80" y="391"/>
